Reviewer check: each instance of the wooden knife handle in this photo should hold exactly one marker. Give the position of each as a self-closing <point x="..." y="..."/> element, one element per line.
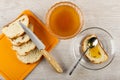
<point x="52" y="61"/>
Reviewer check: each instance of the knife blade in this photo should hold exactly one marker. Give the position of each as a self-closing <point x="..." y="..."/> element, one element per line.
<point x="33" y="37"/>
<point x="41" y="47"/>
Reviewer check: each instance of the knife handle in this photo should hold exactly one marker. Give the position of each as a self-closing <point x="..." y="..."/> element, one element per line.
<point x="52" y="61"/>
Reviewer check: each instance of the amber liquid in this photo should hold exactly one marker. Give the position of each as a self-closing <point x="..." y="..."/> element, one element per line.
<point x="64" y="21"/>
<point x="95" y="52"/>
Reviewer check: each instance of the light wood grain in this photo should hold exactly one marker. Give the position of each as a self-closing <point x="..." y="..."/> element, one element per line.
<point x="51" y="60"/>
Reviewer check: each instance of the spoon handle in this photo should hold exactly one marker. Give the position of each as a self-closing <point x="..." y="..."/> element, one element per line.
<point x="78" y="62"/>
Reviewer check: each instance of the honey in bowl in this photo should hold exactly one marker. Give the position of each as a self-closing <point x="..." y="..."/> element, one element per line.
<point x="64" y="20"/>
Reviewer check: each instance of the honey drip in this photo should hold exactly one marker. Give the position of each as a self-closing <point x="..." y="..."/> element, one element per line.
<point x="94" y="52"/>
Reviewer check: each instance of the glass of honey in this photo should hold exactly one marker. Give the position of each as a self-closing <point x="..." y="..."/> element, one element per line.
<point x="64" y="20"/>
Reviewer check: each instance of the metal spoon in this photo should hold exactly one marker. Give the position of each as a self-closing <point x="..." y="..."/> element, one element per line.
<point x="92" y="42"/>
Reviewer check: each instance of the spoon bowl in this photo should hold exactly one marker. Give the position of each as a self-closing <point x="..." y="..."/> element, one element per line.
<point x="92" y="42"/>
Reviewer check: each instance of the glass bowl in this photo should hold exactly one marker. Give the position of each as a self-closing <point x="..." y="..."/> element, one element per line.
<point x="106" y="40"/>
<point x="67" y="31"/>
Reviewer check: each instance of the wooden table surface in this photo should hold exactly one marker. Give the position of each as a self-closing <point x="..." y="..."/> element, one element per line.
<point x="97" y="13"/>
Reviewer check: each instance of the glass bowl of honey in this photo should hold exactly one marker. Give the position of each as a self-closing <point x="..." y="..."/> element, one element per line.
<point x="64" y="20"/>
<point x="106" y="41"/>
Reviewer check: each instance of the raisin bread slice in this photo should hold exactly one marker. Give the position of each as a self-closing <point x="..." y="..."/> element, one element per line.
<point x="32" y="57"/>
<point x="25" y="48"/>
<point x="24" y="19"/>
<point x="22" y="39"/>
<point x="14" y="30"/>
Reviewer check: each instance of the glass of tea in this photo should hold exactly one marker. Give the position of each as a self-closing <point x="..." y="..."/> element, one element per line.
<point x="64" y="20"/>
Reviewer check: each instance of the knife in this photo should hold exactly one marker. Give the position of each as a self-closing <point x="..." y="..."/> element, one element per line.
<point x="41" y="47"/>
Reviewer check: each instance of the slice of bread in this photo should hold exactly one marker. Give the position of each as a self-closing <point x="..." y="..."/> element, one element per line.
<point x="24" y="19"/>
<point x="14" y="30"/>
<point x="25" y="48"/>
<point x="22" y="39"/>
<point x="32" y="57"/>
<point x="96" y="54"/>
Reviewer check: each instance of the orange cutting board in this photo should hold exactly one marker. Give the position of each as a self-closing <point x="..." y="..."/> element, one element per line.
<point x="10" y="67"/>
